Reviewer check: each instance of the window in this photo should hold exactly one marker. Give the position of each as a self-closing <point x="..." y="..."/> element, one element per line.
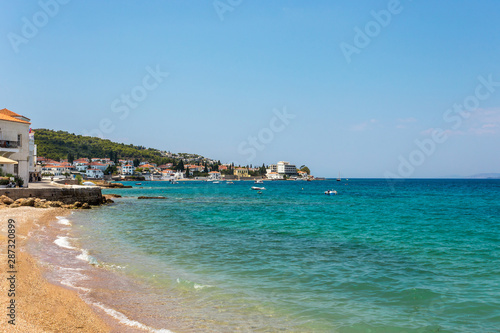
<point x="16" y="169"/>
<point x="20" y="140"/>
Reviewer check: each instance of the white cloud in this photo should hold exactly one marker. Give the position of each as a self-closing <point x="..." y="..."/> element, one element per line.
<point x="363" y="126"/>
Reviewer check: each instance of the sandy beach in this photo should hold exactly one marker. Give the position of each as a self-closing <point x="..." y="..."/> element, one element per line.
<point x="40" y="305"/>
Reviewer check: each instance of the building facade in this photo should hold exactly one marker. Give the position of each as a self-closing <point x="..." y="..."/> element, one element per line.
<point x="17" y="144"/>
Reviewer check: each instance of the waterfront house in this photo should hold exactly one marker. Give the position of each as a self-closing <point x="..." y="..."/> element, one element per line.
<point x="241" y="172"/>
<point x="167" y="174"/>
<point x="214" y="175"/>
<point x="274" y="176"/>
<point x="17" y="145"/>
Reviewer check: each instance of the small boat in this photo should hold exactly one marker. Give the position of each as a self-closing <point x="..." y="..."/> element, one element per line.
<point x="331" y="192"/>
<point x="339" y="179"/>
<point x="260" y="192"/>
<point x="138" y="183"/>
<point x="216" y="182"/>
<point x="229" y="182"/>
<point x="258" y="188"/>
<point x="259" y="182"/>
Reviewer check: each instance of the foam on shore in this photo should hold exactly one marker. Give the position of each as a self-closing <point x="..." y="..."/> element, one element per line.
<point x="126" y="321"/>
<point x="63" y="241"/>
<point x="62" y="220"/>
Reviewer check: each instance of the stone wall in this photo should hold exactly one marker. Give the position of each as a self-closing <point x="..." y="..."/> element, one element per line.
<point x="92" y="196"/>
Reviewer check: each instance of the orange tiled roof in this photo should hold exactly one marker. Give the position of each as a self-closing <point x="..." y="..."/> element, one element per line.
<point x="10" y="116"/>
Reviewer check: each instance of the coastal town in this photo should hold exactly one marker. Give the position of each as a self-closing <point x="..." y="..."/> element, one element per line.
<point x="20" y="165"/>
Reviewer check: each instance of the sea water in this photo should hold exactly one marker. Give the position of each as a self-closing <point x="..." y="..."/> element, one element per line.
<point x="406" y="256"/>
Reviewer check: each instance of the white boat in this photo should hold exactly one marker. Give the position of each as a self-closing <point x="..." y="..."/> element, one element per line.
<point x="229" y="182"/>
<point x="331" y="192"/>
<point x="216" y="182"/>
<point x="259" y="182"/>
<point x="258" y="188"/>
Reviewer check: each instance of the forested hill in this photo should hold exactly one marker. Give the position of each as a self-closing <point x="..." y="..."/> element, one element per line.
<point x="59" y="145"/>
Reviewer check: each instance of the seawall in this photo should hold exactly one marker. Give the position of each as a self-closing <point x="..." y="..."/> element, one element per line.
<point x="90" y="195"/>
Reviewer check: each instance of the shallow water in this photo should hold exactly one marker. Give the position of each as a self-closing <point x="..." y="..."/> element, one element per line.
<point x="420" y="257"/>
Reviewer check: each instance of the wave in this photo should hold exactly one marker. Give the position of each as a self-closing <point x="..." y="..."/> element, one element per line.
<point x="85" y="256"/>
<point x="191" y="285"/>
<point x="63" y="241"/>
<point x="126" y="321"/>
<point x="62" y="220"/>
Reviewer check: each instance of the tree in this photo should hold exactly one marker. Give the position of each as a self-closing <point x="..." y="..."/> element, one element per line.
<point x="136" y="162"/>
<point x="110" y="170"/>
<point x="71" y="158"/>
<point x="305" y="169"/>
<point x="180" y="166"/>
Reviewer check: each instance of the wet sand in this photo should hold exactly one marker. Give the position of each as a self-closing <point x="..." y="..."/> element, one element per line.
<point x="40" y="305"/>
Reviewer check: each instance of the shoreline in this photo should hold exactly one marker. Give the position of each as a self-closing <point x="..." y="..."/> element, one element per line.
<point x="41" y="306"/>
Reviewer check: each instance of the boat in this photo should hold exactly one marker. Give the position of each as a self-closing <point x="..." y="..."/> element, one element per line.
<point x="258" y="188"/>
<point x="229" y="182"/>
<point x="339" y="179"/>
<point x="331" y="192"/>
<point x="216" y="182"/>
<point x="260" y="192"/>
<point x="138" y="183"/>
<point x="259" y="182"/>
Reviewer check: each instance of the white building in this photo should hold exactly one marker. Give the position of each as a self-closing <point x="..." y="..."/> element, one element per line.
<point x="282" y="168"/>
<point x="98" y="165"/>
<point x="94" y="173"/>
<point x="285" y="168"/>
<point x="167" y="174"/>
<point x="274" y="175"/>
<point x="15" y="144"/>
<point x="128" y="169"/>
<point x="215" y="175"/>
<point x="81" y="166"/>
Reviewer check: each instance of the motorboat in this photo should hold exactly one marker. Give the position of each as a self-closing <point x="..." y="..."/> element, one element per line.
<point x="258" y="188"/>
<point x="216" y="182"/>
<point x="138" y="183"/>
<point x="259" y="182"/>
<point x="331" y="192"/>
<point x="229" y="182"/>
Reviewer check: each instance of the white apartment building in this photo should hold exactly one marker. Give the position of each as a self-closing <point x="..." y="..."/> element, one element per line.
<point x="17" y="145"/>
<point x="285" y="168"/>
<point x="281" y="168"/>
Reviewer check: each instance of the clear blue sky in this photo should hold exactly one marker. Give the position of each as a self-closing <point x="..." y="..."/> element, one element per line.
<point x="232" y="68"/>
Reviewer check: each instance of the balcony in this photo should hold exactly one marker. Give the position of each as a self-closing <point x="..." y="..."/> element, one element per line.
<point x="10" y="146"/>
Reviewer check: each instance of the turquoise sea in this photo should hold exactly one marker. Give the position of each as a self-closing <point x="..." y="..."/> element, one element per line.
<point x="412" y="256"/>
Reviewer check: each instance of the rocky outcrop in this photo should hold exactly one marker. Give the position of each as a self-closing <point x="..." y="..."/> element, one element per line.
<point x="67" y="196"/>
<point x="7" y="202"/>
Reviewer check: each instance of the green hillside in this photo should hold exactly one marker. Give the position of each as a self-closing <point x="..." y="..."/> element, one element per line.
<point x="59" y="145"/>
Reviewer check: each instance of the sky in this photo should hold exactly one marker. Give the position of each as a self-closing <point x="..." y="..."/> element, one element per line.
<point x="394" y="89"/>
